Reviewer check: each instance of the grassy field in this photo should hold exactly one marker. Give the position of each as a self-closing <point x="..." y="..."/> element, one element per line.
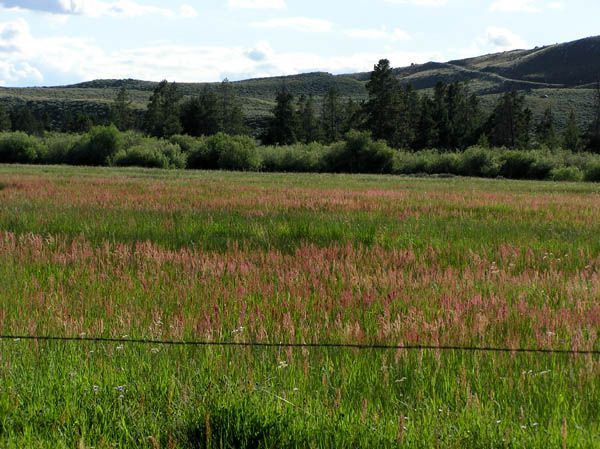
<point x="296" y="258"/>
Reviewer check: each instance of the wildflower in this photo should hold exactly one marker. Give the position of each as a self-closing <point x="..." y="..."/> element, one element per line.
<point x="283" y="364"/>
<point x="120" y="348"/>
<point x="95" y="389"/>
<point x="154" y="350"/>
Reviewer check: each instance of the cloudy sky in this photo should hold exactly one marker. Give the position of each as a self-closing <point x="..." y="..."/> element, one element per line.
<point x="54" y="42"/>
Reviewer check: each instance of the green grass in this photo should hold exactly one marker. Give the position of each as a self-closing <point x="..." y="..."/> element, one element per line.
<point x="270" y="257"/>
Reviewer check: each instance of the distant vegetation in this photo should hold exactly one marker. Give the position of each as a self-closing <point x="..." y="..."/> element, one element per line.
<point x="560" y="77"/>
<point x="357" y="152"/>
<point x="448" y="129"/>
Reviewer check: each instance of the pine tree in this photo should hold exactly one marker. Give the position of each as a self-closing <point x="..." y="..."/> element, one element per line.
<point x="231" y="116"/>
<point x="200" y="115"/>
<point x="121" y="112"/>
<point x="572" y="135"/>
<point x="23" y="119"/>
<point x="510" y="123"/>
<point x="352" y="116"/>
<point x="545" y="130"/>
<point x="282" y="127"/>
<point x="593" y="143"/>
<point x="426" y="131"/>
<point x="308" y="125"/>
<point x="162" y="117"/>
<point x="384" y="103"/>
<point x="332" y="116"/>
<point x="5" y="123"/>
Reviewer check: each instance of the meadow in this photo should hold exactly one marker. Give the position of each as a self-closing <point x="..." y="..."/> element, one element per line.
<point x="296" y="258"/>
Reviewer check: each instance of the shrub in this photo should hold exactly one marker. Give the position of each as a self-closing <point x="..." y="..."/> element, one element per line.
<point x="477" y="161"/>
<point x="19" y="148"/>
<point x="592" y="174"/>
<point x="235" y="153"/>
<point x="57" y="148"/>
<point x="441" y="163"/>
<point x="151" y="154"/>
<point x="197" y="151"/>
<point x="293" y="158"/>
<point x="98" y="147"/>
<point x="359" y="153"/>
<point x="516" y="164"/>
<point x="572" y="174"/>
<point x="525" y="165"/>
<point x="406" y="163"/>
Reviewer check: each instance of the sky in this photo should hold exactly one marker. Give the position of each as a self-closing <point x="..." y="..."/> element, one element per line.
<point x="58" y="42"/>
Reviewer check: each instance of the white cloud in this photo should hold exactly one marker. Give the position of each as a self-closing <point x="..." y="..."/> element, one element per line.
<point x="381" y="33"/>
<point x="26" y="59"/>
<point x="432" y="3"/>
<point x="304" y="24"/>
<point x="97" y="8"/>
<point x="501" y="39"/>
<point x="531" y="6"/>
<point x="256" y="4"/>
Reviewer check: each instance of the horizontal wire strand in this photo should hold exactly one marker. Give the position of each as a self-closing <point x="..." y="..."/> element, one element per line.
<point x="380" y="347"/>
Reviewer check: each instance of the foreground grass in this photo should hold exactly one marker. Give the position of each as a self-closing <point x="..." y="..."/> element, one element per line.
<point x="353" y="259"/>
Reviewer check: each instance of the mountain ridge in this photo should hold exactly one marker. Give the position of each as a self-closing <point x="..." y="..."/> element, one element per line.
<point x="561" y="76"/>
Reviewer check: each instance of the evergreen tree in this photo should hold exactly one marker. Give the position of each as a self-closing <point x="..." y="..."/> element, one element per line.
<point x="121" y="112"/>
<point x="455" y="116"/>
<point x="23" y="119"/>
<point x="332" y="116"/>
<point x="383" y="105"/>
<point x="593" y="143"/>
<point x="78" y="123"/>
<point x="545" y="130"/>
<point x="426" y="131"/>
<point x="572" y="135"/>
<point x="200" y="115"/>
<point x="162" y="117"/>
<point x="353" y="116"/>
<point x="510" y="123"/>
<point x="230" y="114"/>
<point x="282" y="127"/>
<point x="5" y="123"/>
<point x="308" y="125"/>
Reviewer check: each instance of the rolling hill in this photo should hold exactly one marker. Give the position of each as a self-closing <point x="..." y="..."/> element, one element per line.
<point x="561" y="76"/>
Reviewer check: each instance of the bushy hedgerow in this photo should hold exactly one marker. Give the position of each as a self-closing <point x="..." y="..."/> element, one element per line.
<point x="19" y="148"/>
<point x="566" y="174"/>
<point x="592" y="173"/>
<point x="526" y="165"/>
<point x="359" y="153"/>
<point x="151" y="154"/>
<point x="98" y="147"/>
<point x="57" y="148"/>
<point x="479" y="162"/>
<point x="294" y="158"/>
<point x="235" y="152"/>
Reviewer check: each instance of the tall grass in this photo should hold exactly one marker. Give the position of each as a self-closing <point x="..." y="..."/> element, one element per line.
<point x="296" y="258"/>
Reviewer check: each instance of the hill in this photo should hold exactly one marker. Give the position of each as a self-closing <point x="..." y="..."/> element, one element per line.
<point x="560" y="76"/>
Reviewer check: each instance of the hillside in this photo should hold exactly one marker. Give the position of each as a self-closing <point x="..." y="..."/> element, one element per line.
<point x="561" y="76"/>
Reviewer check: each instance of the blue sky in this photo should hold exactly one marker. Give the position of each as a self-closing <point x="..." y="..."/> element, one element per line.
<point x="53" y="42"/>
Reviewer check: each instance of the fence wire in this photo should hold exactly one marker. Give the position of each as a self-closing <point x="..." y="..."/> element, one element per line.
<point x="361" y="347"/>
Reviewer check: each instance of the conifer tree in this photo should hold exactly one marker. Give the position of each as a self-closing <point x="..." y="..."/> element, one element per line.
<point x="282" y="127"/>
<point x="162" y="117"/>
<point x="121" y="112"/>
<point x="572" y="135"/>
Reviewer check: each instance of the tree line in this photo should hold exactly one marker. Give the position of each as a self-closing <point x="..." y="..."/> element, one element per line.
<point x="448" y="118"/>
